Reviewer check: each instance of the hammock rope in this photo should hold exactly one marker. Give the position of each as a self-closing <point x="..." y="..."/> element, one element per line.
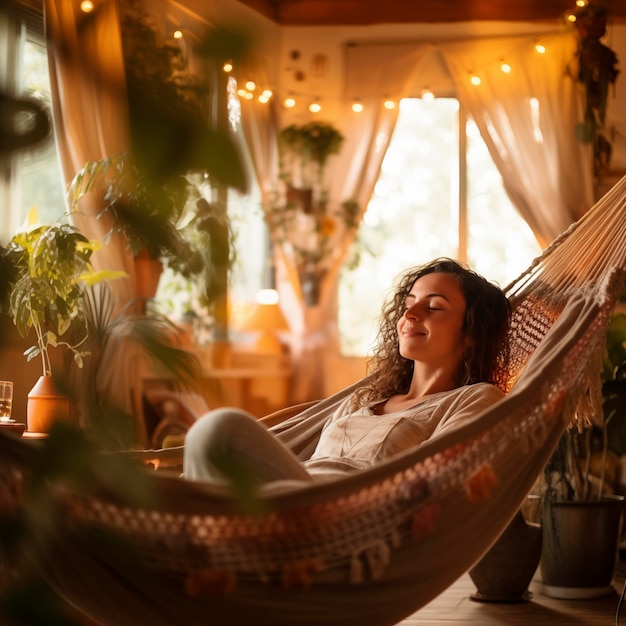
<point x="372" y="547"/>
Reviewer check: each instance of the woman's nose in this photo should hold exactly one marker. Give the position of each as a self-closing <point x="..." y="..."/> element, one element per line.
<point x="412" y="312"/>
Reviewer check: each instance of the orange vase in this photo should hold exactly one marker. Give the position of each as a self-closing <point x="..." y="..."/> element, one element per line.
<point x="148" y="272"/>
<point x="46" y="404"/>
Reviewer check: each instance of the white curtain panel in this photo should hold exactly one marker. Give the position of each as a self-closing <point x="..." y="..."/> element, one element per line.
<point x="528" y="118"/>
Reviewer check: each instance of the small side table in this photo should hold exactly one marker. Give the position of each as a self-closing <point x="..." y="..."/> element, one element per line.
<point x="13" y="426"/>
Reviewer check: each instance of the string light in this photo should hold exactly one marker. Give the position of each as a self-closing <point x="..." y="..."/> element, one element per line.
<point x="265" y="96"/>
<point x="581" y="3"/>
<point x="178" y="34"/>
<point x="86" y="6"/>
<point x="357" y="107"/>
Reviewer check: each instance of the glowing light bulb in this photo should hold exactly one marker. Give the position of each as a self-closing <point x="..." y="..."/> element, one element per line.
<point x="581" y="3"/>
<point x="505" y="67"/>
<point x="357" y="107"/>
<point x="227" y="67"/>
<point x="250" y="85"/>
<point x="389" y="104"/>
<point x="540" y="48"/>
<point x="267" y="296"/>
<point x="427" y="95"/>
<point x="289" y="103"/>
<point x="571" y="18"/>
<point x="315" y="107"/>
<point x="86" y="6"/>
<point x="178" y="34"/>
<point x="475" y="80"/>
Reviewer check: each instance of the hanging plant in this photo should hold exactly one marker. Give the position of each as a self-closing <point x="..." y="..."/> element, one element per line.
<point x="597" y="69"/>
<point x="304" y="152"/>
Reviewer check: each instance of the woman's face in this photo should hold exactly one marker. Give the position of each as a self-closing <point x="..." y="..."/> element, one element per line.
<point x="430" y="331"/>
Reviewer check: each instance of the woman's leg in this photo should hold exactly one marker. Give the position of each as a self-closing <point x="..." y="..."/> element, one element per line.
<point x="231" y="439"/>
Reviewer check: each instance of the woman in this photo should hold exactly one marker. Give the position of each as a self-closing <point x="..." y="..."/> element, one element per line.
<point x="441" y="344"/>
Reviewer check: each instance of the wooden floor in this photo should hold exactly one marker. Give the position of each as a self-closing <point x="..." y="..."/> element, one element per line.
<point x="455" y="608"/>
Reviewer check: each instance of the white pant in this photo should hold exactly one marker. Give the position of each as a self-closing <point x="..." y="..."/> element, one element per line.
<point x="227" y="443"/>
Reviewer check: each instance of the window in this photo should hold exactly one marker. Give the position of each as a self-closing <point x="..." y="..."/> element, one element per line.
<point x="416" y="214"/>
<point x="40" y="173"/>
<point x="30" y="177"/>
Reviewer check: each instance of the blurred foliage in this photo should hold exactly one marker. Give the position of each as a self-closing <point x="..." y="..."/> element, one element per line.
<point x="177" y="118"/>
<point x="29" y="534"/>
<point x="110" y="330"/>
<point x="614" y="384"/>
<point x="170" y="136"/>
<point x="169" y="220"/>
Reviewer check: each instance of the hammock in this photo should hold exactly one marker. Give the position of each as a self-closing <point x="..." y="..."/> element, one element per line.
<point x="373" y="547"/>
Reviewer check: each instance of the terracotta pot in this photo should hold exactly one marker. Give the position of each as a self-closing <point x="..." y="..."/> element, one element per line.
<point x="504" y="573"/>
<point x="46" y="404"/>
<point x="148" y="272"/>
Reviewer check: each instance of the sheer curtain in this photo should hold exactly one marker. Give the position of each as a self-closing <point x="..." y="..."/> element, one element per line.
<point x="89" y="109"/>
<point x="371" y="72"/>
<point x="527" y="118"/>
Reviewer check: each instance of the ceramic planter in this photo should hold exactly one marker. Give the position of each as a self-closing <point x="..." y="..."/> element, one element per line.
<point x="579" y="550"/>
<point x="46" y="404"/>
<point x="504" y="573"/>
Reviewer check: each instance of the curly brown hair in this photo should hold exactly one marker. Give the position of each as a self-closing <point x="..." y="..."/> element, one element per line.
<point x="486" y="323"/>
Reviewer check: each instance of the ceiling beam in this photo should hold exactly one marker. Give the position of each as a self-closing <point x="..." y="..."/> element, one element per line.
<point x="369" y="12"/>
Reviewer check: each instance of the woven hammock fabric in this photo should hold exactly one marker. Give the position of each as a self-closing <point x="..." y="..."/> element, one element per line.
<point x="373" y="547"/>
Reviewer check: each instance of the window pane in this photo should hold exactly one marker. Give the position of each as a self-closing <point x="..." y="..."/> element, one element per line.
<point x="411" y="218"/>
<point x="500" y="243"/>
<point x="39" y="174"/>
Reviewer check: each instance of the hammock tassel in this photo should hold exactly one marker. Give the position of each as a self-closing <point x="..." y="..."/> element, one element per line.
<point x="376" y="556"/>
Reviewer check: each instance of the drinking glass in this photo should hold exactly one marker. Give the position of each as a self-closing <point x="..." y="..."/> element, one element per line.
<point x="6" y="399"/>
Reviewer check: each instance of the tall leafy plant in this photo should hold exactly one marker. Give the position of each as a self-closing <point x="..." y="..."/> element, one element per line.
<point x="50" y="269"/>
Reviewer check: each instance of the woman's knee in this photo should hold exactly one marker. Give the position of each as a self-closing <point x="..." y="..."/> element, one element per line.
<point x="216" y="424"/>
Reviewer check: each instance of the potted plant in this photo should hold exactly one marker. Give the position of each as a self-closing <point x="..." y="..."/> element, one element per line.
<point x="108" y="331"/>
<point x="48" y="269"/>
<point x="581" y="512"/>
<point x="301" y="215"/>
<point x="167" y="222"/>
<point x="304" y="152"/>
<point x="597" y="70"/>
